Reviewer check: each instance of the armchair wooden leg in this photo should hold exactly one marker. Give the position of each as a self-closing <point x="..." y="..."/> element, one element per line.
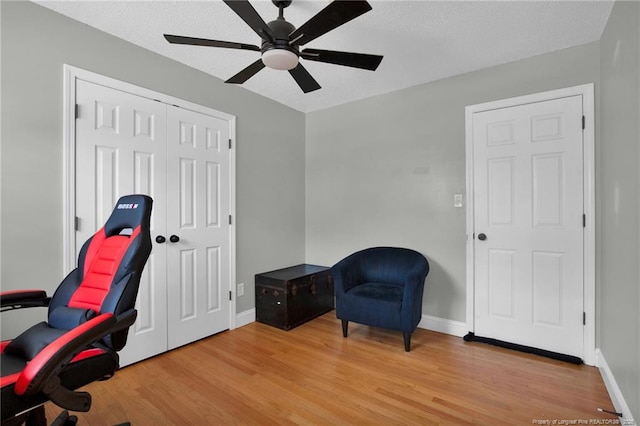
<point x="407" y="341"/>
<point x="345" y="326"/>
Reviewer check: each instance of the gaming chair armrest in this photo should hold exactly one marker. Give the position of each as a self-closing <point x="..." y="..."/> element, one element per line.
<point x="125" y="320"/>
<point x="18" y="299"/>
<point x="41" y="374"/>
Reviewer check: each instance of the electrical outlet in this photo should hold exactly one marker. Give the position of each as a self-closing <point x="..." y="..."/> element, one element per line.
<point x="240" y="291"/>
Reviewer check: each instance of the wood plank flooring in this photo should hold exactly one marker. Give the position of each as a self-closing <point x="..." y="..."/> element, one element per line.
<point x="311" y="375"/>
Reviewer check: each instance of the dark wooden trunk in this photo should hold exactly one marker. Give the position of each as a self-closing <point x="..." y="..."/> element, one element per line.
<point x="288" y="297"/>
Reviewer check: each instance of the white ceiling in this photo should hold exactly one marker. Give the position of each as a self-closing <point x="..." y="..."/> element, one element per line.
<point x="421" y="41"/>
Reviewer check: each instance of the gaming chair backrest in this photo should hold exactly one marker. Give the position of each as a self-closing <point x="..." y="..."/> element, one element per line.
<point x="110" y="264"/>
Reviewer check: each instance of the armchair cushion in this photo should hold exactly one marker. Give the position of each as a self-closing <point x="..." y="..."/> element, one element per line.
<point x="375" y="304"/>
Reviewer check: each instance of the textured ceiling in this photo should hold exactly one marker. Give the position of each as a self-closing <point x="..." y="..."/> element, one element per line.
<point x="421" y="41"/>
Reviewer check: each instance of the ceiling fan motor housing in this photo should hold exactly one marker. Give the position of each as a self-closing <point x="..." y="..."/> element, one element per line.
<point x="280" y="54"/>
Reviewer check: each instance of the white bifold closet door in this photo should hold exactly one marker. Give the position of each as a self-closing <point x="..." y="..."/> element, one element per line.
<point x="130" y="144"/>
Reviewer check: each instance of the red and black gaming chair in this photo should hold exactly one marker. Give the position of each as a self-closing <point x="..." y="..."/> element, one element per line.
<point x="88" y="320"/>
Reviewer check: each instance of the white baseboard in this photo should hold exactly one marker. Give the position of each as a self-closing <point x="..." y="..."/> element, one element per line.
<point x="442" y="325"/>
<point x="245" y="317"/>
<point x="614" y="390"/>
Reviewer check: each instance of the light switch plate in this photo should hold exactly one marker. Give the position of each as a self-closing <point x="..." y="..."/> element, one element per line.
<point x="457" y="200"/>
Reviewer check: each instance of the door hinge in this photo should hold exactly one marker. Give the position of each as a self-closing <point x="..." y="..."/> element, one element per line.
<point x="230" y="220"/>
<point x="76" y="223"/>
<point x="584" y="318"/>
<point x="584" y="220"/>
<point x="229" y="143"/>
<point x="77" y="111"/>
<point x="584" y="122"/>
<point x="230" y="296"/>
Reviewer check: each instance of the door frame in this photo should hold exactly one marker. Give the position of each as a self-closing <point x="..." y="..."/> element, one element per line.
<point x="589" y="257"/>
<point x="70" y="75"/>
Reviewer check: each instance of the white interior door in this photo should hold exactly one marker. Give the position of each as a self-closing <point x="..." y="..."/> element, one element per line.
<point x="121" y="149"/>
<point x="198" y="217"/>
<point x="528" y="224"/>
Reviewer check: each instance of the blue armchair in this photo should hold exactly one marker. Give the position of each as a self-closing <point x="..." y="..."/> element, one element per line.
<point x="381" y="287"/>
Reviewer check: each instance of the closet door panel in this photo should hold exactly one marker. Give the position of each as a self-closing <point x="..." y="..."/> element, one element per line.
<point x="198" y="200"/>
<point x="121" y="149"/>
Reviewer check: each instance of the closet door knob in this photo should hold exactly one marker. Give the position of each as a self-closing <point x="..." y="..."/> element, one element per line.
<point x="482" y="237"/>
<point x="160" y="239"/>
<point x="174" y="238"/>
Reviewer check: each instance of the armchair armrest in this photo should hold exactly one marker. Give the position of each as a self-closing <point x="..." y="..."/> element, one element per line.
<point x="416" y="276"/>
<point x="18" y="299"/>
<point x="346" y="274"/>
<point x="413" y="286"/>
<point x="413" y="292"/>
<point x="42" y="373"/>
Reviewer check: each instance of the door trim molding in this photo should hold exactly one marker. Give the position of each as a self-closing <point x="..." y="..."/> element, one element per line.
<point x="70" y="75"/>
<point x="587" y="93"/>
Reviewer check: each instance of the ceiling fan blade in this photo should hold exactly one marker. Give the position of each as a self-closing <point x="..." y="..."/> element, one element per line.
<point x="348" y="59"/>
<point x="329" y="18"/>
<point x="249" y="15"/>
<point x="193" y="41"/>
<point x="247" y="73"/>
<point x="304" y="79"/>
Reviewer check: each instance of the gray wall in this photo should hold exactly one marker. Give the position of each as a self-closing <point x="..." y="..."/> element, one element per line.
<point x="620" y="199"/>
<point x="383" y="171"/>
<point x="36" y="42"/>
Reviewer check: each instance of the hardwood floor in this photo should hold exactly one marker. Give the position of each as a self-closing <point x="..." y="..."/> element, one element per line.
<point x="259" y="375"/>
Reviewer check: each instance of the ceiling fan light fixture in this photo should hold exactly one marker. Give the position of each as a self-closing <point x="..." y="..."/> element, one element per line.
<point x="280" y="59"/>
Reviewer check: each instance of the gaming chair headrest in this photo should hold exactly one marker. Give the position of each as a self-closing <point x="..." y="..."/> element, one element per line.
<point x="129" y="212"/>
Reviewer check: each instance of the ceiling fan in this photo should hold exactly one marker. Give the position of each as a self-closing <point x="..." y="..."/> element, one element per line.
<point x="281" y="40"/>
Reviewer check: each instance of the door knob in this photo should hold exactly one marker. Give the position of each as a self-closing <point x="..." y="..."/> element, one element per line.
<point x="174" y="238"/>
<point x="482" y="237"/>
<point x="160" y="239"/>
